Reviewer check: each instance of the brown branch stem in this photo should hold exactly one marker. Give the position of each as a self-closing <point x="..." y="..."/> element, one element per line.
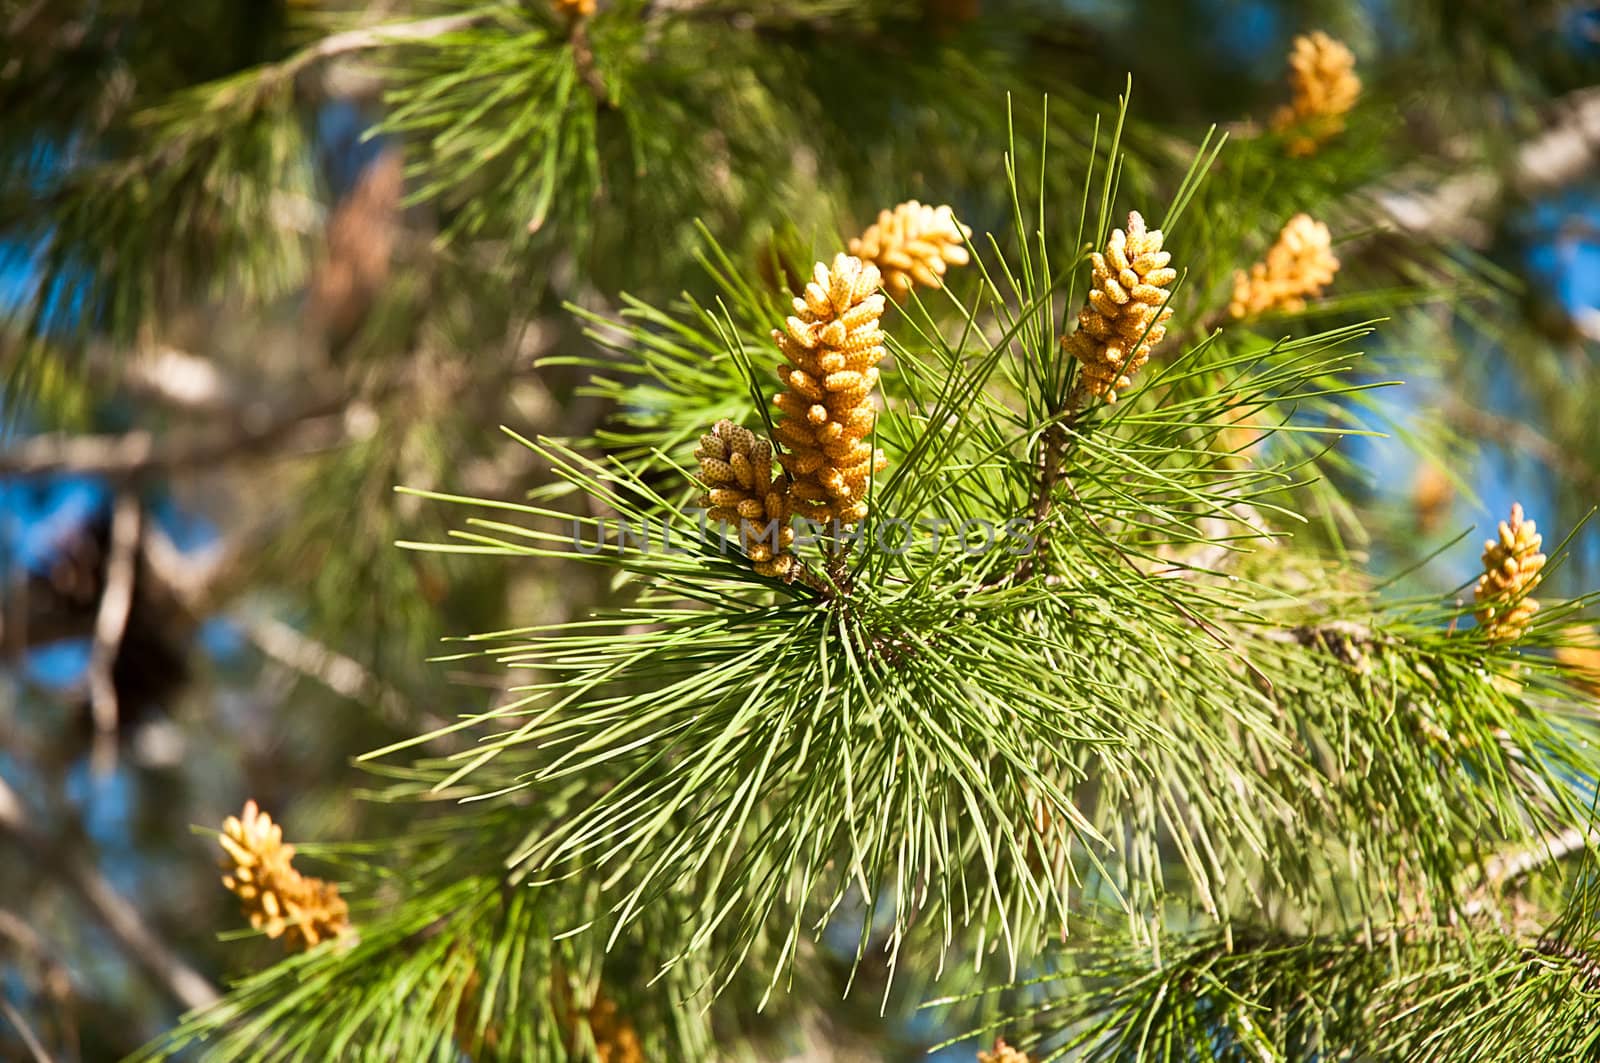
<point x="111" y="623"/>
<point x="254" y="430"/>
<point x="583" y="57"/>
<point x="142" y="946"/>
<point x="313" y="425"/>
<point x="1503" y="869"/>
<point x="370" y="37"/>
<point x="1054" y="450"/>
<point x="30" y="1040"/>
<point x="1519" y="435"/>
<point x="1565" y="150"/>
<point x="343" y="675"/>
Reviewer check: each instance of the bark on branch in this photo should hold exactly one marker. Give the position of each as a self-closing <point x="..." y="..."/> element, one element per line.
<point x="1565" y="151"/>
<point x="111" y="622"/>
<point x="310" y="426"/>
<point x="143" y="947"/>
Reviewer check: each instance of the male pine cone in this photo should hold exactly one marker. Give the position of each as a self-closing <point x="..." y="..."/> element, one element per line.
<point x="736" y="468"/>
<point x="1512" y="567"/>
<point x="913" y="244"/>
<point x="1126" y="315"/>
<point x="833" y="344"/>
<point x="1002" y="1053"/>
<point x="1298" y="266"/>
<point x="277" y="899"/>
<point x="1323" y="87"/>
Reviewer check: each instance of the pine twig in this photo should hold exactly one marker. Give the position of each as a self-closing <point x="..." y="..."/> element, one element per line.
<point x="1519" y="435"/>
<point x="1503" y="869"/>
<point x="583" y="57"/>
<point x="310" y="426"/>
<point x="1566" y="149"/>
<point x="164" y="374"/>
<point x="380" y="36"/>
<point x="1043" y="498"/>
<point x="111" y="623"/>
<point x="254" y="430"/>
<point x="127" y="928"/>
<point x="1052" y="461"/>
<point x="1557" y="948"/>
<point x="343" y="675"/>
<point x="30" y="1040"/>
<point x="53" y="973"/>
<point x="1512" y="866"/>
<point x="21" y="933"/>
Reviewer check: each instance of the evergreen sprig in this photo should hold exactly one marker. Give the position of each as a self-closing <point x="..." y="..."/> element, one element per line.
<point x="924" y="727"/>
<point x="1164" y="706"/>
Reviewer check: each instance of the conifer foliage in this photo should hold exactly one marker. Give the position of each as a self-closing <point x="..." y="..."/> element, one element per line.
<point x="976" y="631"/>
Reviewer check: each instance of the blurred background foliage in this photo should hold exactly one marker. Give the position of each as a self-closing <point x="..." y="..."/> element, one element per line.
<point x="261" y="261"/>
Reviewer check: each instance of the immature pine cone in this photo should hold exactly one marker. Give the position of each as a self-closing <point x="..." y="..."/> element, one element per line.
<point x="276" y="898"/>
<point x="737" y="470"/>
<point x="1299" y="265"/>
<point x="1002" y="1053"/>
<point x="1511" y="569"/>
<point x="1125" y="316"/>
<point x="833" y="345"/>
<point x="1323" y="87"/>
<point x="911" y="245"/>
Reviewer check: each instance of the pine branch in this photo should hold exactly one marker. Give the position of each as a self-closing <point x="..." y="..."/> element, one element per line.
<point x="380" y="36"/>
<point x="56" y="981"/>
<point x="257" y="432"/>
<point x="721" y="762"/>
<point x="1504" y="869"/>
<point x="1587" y="965"/>
<point x="253" y="431"/>
<point x="583" y="56"/>
<point x="167" y="376"/>
<point x="34" y="616"/>
<point x="24" y="937"/>
<point x="30" y="1040"/>
<point x="1519" y="435"/>
<point x="1052" y="458"/>
<point x="343" y="675"/>
<point x="142" y="946"/>
<point x="1566" y="150"/>
<point x="58" y="984"/>
<point x="111" y="621"/>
